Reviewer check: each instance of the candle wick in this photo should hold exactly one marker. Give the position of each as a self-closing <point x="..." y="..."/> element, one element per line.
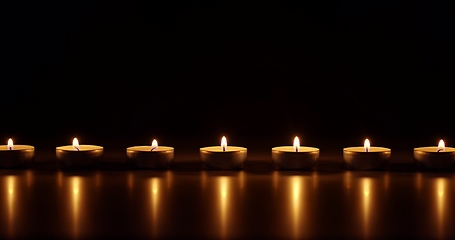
<point x="153" y="148"/>
<point x="439" y="150"/>
<point x="10" y="148"/>
<point x="224" y="149"/>
<point x="77" y="148"/>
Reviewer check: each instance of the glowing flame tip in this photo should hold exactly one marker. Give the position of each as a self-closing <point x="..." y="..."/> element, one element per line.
<point x="10" y="144"/>
<point x="366" y="145"/>
<point x="76" y="144"/>
<point x="154" y="145"/>
<point x="223" y="143"/>
<point x="441" y="146"/>
<point x="296" y="144"/>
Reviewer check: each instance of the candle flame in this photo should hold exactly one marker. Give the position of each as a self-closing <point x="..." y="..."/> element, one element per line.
<point x="441" y="146"/>
<point x="76" y="144"/>
<point x="366" y="145"/>
<point x="223" y="143"/>
<point x="296" y="144"/>
<point x="154" y="145"/>
<point x="10" y="144"/>
<point x="75" y="191"/>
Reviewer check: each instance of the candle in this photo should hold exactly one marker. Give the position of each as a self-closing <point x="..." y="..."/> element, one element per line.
<point x="16" y="156"/>
<point x="435" y="158"/>
<point x="78" y="156"/>
<point x="223" y="157"/>
<point x="151" y="157"/>
<point x="295" y="157"/>
<point x="366" y="157"/>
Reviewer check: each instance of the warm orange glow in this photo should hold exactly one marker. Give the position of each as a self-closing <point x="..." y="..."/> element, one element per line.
<point x="441" y="146"/>
<point x="223" y="143"/>
<point x="366" y="145"/>
<point x="154" y="185"/>
<point x="296" y="144"/>
<point x="10" y="144"/>
<point x="440" y="193"/>
<point x="223" y="185"/>
<point x="295" y="188"/>
<point x="76" y="184"/>
<point x="75" y="143"/>
<point x="154" y="145"/>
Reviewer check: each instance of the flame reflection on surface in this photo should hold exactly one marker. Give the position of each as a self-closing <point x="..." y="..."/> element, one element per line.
<point x="155" y="192"/>
<point x="10" y="181"/>
<point x="75" y="188"/>
<point x="296" y="191"/>
<point x="441" y="185"/>
<point x="223" y="186"/>
<point x="366" y="201"/>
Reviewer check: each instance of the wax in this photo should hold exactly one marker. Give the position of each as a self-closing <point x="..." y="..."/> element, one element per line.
<point x="215" y="158"/>
<point x="19" y="156"/>
<point x="430" y="158"/>
<point x="286" y="158"/>
<point x="78" y="156"/>
<point x="161" y="157"/>
<point x="356" y="158"/>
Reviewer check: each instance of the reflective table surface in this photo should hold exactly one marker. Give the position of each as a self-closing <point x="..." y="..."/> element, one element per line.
<point x="257" y="202"/>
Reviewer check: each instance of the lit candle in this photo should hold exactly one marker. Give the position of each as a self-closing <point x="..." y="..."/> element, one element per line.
<point x="16" y="156"/>
<point x="366" y="157"/>
<point x="223" y="157"/>
<point x="78" y="156"/>
<point x="295" y="157"/>
<point x="151" y="157"/>
<point x="435" y="158"/>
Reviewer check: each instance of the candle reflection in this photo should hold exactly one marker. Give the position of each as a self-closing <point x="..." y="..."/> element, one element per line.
<point x="154" y="188"/>
<point x="75" y="187"/>
<point x="440" y="190"/>
<point x="275" y="179"/>
<point x="242" y="179"/>
<point x="223" y="185"/>
<point x="29" y="177"/>
<point x="204" y="179"/>
<point x="130" y="180"/>
<point x="366" y="188"/>
<point x="169" y="178"/>
<point x="315" y="179"/>
<point x="419" y="180"/>
<point x="10" y="181"/>
<point x="347" y="178"/>
<point x="296" y="187"/>
<point x="59" y="179"/>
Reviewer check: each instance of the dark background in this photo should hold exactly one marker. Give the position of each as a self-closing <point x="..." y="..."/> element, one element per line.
<point x="120" y="73"/>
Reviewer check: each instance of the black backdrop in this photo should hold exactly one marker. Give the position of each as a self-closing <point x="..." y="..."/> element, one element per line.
<point x="122" y="72"/>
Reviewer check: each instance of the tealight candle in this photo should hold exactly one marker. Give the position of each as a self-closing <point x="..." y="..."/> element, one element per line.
<point x="435" y="158"/>
<point x="151" y="157"/>
<point x="13" y="156"/>
<point x="366" y="157"/>
<point x="78" y="156"/>
<point x="295" y="157"/>
<point x="223" y="157"/>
